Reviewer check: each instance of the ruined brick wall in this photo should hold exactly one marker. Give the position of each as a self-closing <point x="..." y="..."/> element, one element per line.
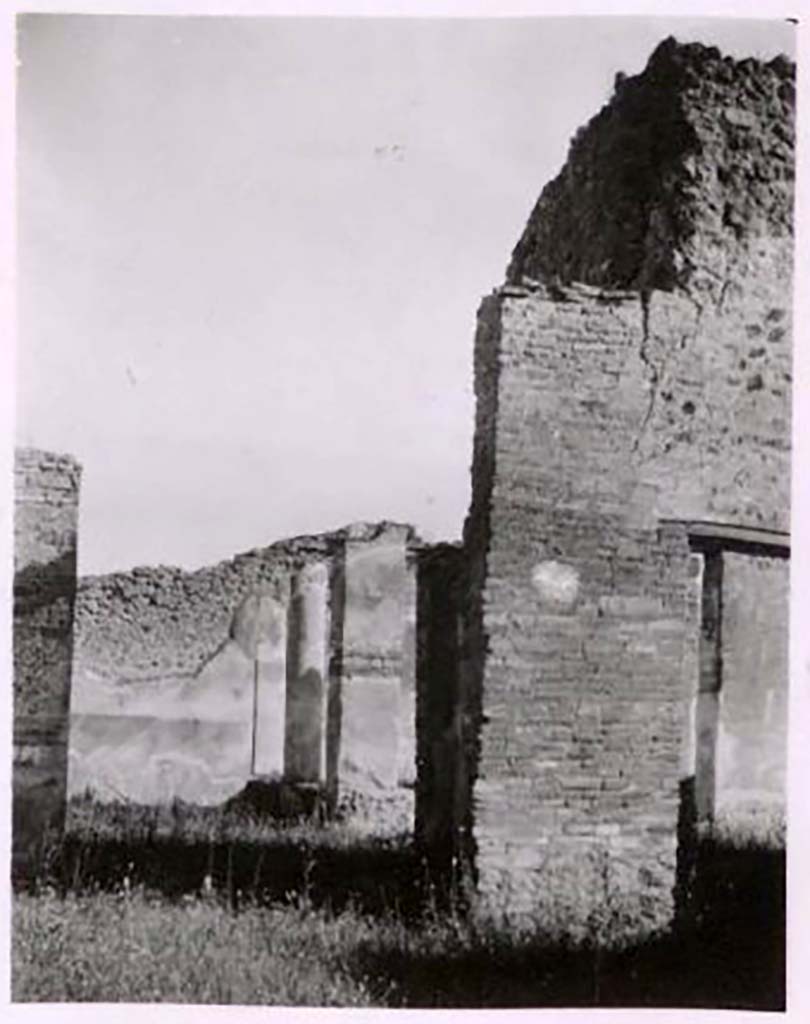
<point x="634" y="371"/>
<point x="674" y="180"/>
<point x="45" y="523"/>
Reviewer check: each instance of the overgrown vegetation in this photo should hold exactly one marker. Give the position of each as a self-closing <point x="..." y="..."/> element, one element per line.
<point x="192" y="905"/>
<point x="134" y="946"/>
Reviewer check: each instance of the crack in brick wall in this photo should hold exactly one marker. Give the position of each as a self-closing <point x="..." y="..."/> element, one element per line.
<point x="597" y="424"/>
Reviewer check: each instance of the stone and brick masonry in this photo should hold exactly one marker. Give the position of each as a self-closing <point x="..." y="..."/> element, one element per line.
<point x="626" y="542"/>
<point x="601" y="665"/>
<point x="292" y="663"/>
<point x="45" y="520"/>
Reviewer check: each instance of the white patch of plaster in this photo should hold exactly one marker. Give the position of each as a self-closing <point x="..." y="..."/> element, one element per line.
<point x="556" y="583"/>
<point x="259" y="620"/>
<point x="313" y="575"/>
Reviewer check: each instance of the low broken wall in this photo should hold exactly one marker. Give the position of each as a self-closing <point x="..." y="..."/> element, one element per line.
<point x="299" y="666"/>
<point x="165" y="672"/>
<point x="178" y="737"/>
<point x="45" y="519"/>
<point x="157" y="622"/>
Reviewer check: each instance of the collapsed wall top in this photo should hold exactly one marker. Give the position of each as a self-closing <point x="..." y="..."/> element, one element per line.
<point x="686" y="169"/>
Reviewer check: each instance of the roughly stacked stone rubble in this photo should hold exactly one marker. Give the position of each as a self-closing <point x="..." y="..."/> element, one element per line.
<point x="677" y="178"/>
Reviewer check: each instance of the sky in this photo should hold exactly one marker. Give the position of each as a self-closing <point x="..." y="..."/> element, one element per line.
<point x="250" y="253"/>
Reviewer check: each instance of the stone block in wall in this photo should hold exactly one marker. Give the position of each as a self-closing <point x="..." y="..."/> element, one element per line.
<point x="45" y="523"/>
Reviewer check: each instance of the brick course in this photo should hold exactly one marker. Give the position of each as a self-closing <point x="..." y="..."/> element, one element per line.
<point x="632" y="376"/>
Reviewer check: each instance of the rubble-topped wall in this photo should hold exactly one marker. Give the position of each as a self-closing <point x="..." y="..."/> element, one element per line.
<point x="675" y="181"/>
<point x="45" y="519"/>
<point x="159" y="620"/>
<point x="291" y="663"/>
<point x="633" y="377"/>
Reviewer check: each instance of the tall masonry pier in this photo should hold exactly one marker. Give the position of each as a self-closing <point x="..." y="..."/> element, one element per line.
<point x="45" y="523"/>
<point x="623" y="608"/>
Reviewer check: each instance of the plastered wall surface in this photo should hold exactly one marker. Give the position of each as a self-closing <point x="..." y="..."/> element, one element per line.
<point x="751" y="754"/>
<point x="45" y="517"/>
<point x="612" y="398"/>
<point x="187" y="735"/>
<point x="308" y="677"/>
<point x="187" y="685"/>
<point x="374" y="685"/>
<point x="375" y="578"/>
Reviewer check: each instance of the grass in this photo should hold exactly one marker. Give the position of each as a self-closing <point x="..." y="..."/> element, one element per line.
<point x="135" y="946"/>
<point x="190" y="905"/>
<point x="246" y="857"/>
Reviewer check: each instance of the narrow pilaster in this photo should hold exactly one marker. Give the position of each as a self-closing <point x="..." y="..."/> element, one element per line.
<point x="307" y="674"/>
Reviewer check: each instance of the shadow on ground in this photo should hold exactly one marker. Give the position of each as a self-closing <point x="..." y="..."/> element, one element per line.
<point x="730" y="953"/>
<point x="244" y="851"/>
<point x="727" y="951"/>
<point x="375" y="877"/>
